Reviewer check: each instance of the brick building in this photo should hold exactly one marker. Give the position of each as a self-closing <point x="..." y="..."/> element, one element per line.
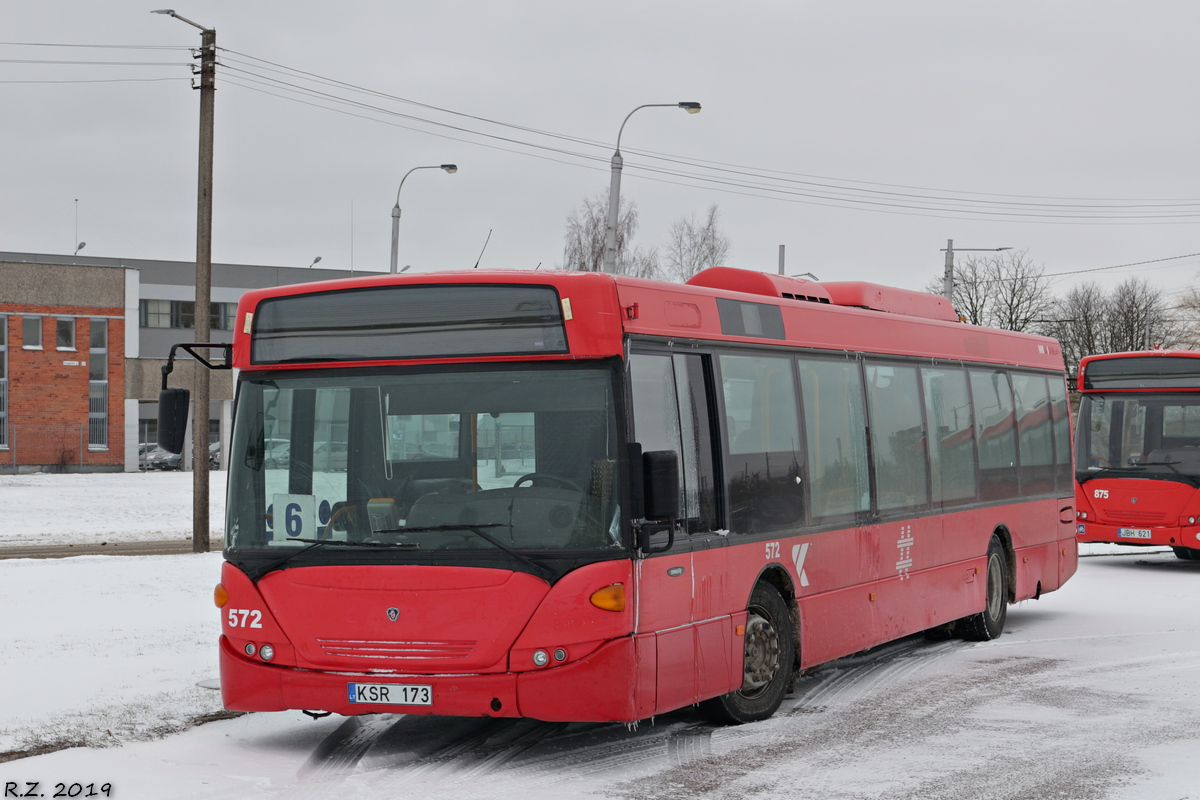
<point x="62" y="368"/>
<point x="82" y="344"/>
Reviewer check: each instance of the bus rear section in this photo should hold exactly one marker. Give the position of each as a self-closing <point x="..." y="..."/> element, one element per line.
<point x="1138" y="450"/>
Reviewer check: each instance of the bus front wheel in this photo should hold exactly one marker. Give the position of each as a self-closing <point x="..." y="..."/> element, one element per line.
<point x="769" y="655"/>
<point x="989" y="623"/>
<point x="1186" y="553"/>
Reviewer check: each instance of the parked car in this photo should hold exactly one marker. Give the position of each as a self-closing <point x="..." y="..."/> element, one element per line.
<point x="214" y="455"/>
<point x="160" y="458"/>
<point x="144" y="453"/>
<point x="278" y="453"/>
<point x="329" y="456"/>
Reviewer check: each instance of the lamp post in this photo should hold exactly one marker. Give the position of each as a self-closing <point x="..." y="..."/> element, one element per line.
<point x="614" y="189"/>
<point x="207" y="87"/>
<point x="948" y="277"/>
<point x="448" y="168"/>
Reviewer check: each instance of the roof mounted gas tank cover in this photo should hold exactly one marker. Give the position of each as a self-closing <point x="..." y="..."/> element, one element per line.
<point x="751" y="281"/>
<point x="891" y="300"/>
<point x="847" y="293"/>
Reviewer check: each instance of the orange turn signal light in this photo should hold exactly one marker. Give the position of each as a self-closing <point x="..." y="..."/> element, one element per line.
<point x="610" y="598"/>
<point x="220" y="596"/>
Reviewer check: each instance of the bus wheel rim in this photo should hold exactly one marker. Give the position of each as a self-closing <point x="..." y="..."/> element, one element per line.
<point x="995" y="589"/>
<point x="762" y="653"/>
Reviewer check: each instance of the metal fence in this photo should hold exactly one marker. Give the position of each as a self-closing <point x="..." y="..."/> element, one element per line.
<point x="98" y="414"/>
<point x="53" y="446"/>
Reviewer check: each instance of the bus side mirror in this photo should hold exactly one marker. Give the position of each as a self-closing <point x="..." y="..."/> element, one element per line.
<point x="660" y="476"/>
<point x="172" y="418"/>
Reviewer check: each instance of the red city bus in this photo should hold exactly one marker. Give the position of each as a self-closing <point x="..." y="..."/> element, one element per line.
<point x="583" y="497"/>
<point x="1138" y="450"/>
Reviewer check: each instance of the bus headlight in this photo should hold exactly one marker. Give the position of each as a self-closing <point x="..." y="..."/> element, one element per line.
<point x="250" y="649"/>
<point x="540" y="658"/>
<point x="266" y="652"/>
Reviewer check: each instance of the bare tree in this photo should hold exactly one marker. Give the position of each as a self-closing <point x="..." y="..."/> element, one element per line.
<point x="695" y="245"/>
<point x="1139" y="318"/>
<point x="1002" y="290"/>
<point x="1022" y="299"/>
<point x="584" y="247"/>
<point x="1080" y="323"/>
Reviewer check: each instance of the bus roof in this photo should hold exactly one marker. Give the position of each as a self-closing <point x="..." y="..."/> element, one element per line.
<point x="596" y="311"/>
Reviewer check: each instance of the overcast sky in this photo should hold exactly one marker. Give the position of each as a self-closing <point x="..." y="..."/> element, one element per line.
<point x="861" y="135"/>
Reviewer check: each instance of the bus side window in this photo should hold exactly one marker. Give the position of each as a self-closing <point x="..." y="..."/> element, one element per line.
<point x="670" y="412"/>
<point x="995" y="434"/>
<point x="836" y="429"/>
<point x="763" y="450"/>
<point x="952" y="438"/>
<point x="1035" y="441"/>
<point x="897" y="435"/>
<point x="1064" y="480"/>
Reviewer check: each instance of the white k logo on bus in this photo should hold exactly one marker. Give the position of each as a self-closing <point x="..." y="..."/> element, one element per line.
<point x="799" y="553"/>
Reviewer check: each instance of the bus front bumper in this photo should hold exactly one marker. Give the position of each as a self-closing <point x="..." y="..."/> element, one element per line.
<point x="603" y="687"/>
<point x="1100" y="533"/>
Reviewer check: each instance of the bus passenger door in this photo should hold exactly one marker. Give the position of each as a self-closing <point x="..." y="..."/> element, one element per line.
<point x="671" y="412"/>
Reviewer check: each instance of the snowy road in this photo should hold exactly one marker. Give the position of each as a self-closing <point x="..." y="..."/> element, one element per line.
<point x="1091" y="693"/>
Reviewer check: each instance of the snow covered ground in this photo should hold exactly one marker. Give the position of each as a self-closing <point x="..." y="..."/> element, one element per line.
<point x="1093" y="692"/>
<point x="42" y="509"/>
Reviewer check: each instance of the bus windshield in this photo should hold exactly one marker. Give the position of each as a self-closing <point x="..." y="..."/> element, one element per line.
<point x="1139" y="435"/>
<point x="458" y="465"/>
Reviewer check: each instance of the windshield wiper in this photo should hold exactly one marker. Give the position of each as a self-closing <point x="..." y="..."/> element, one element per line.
<point x="313" y="544"/>
<point x="1191" y="479"/>
<point x="477" y="530"/>
<point x="1084" y="477"/>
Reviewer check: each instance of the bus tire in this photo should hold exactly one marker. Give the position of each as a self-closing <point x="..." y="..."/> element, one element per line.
<point x="1186" y="553"/>
<point x="989" y="623"/>
<point x="769" y="657"/>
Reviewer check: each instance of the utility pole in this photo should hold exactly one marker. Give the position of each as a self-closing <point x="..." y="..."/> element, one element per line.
<point x="208" y="74"/>
<point x="948" y="276"/>
<point x="202" y="307"/>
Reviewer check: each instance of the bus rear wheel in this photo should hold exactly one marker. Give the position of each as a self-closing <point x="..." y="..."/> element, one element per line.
<point x="1186" y="553"/>
<point x="989" y="623"/>
<point x="769" y="656"/>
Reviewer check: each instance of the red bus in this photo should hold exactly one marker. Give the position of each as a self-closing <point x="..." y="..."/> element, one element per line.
<point x="1138" y="442"/>
<point x="584" y="497"/>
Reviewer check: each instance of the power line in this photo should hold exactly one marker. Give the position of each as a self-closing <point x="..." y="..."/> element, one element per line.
<point x="310" y="88"/>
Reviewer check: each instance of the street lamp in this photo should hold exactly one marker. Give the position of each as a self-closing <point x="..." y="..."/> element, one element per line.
<point x="315" y="260"/>
<point x="202" y="321"/>
<point x="614" y="189"/>
<point x="449" y="168"/>
<point x="948" y="277"/>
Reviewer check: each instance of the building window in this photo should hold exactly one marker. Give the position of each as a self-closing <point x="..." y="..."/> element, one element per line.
<point x="65" y="326"/>
<point x="31" y="333"/>
<point x="155" y="313"/>
<point x="181" y="314"/>
<point x="98" y="385"/>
